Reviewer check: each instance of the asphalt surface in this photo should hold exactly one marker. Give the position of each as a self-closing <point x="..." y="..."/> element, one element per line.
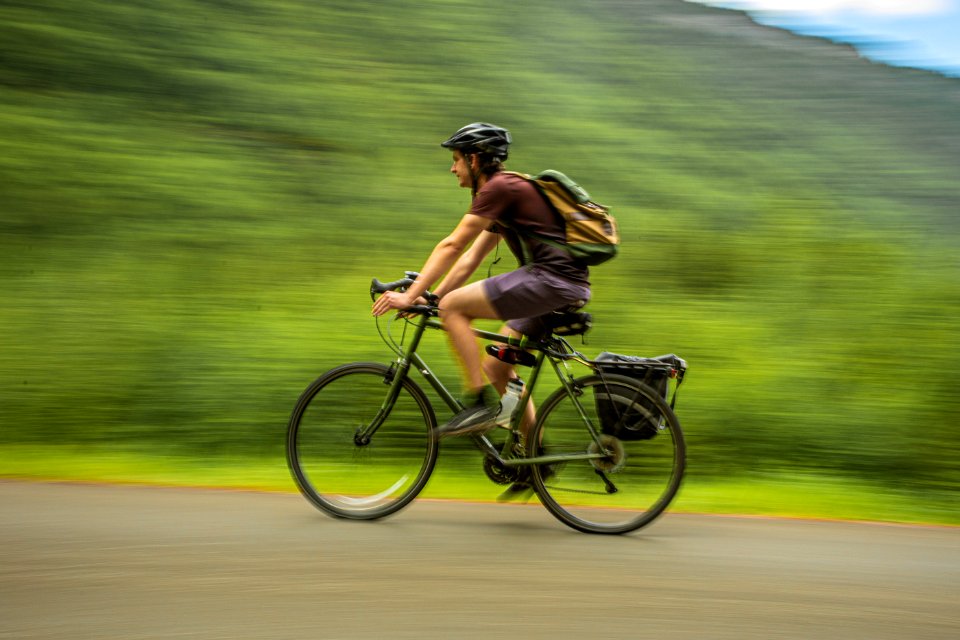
<point x="91" y="561"/>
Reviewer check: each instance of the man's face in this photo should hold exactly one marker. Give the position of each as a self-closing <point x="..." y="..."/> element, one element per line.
<point x="461" y="168"/>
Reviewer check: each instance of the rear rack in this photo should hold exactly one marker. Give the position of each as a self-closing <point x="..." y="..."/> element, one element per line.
<point x="612" y="363"/>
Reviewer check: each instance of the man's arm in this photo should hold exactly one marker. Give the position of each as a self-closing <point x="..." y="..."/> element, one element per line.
<point x="441" y="259"/>
<point x="468" y="263"/>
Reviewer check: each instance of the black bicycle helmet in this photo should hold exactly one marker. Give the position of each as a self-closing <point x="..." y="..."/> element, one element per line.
<point x="480" y="137"/>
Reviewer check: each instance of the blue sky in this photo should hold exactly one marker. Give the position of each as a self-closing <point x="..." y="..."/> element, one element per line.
<point x="914" y="33"/>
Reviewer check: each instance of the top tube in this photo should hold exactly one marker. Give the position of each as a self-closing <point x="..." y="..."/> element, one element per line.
<point x="430" y="312"/>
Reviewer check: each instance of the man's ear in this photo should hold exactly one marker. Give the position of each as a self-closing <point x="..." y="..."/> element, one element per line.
<point x="475" y="162"/>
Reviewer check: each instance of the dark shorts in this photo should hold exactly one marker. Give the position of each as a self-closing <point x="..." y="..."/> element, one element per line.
<point x="524" y="296"/>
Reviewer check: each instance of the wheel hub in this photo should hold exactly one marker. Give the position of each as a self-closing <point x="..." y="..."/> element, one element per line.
<point x="616" y="454"/>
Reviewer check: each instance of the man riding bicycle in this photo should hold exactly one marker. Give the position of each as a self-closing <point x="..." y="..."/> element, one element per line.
<point x="508" y="206"/>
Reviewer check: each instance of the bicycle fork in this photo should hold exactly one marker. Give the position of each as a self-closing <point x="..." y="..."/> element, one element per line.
<point x="394" y="377"/>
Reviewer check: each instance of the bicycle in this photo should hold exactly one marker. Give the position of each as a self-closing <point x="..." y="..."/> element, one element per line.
<point x="361" y="443"/>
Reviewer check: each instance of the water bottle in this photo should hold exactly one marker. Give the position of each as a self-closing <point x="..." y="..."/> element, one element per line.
<point x="509" y="402"/>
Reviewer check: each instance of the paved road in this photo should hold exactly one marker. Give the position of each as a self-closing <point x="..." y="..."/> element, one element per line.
<point x="86" y="561"/>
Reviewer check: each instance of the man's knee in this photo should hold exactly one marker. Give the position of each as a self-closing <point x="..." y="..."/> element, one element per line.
<point x="469" y="301"/>
<point x="452" y="305"/>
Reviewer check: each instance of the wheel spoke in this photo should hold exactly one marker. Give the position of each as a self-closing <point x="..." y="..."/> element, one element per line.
<point x="621" y="491"/>
<point x="353" y="477"/>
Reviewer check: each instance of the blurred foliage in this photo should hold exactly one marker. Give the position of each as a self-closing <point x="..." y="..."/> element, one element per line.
<point x="194" y="195"/>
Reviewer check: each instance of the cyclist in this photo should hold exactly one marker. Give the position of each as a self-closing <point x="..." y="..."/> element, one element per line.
<point x="503" y="205"/>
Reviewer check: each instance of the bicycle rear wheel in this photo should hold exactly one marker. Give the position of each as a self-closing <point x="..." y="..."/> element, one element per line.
<point x="340" y="473"/>
<point x="618" y="493"/>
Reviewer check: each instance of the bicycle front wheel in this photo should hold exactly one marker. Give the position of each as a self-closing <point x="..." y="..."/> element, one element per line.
<point x="627" y="488"/>
<point x="341" y="472"/>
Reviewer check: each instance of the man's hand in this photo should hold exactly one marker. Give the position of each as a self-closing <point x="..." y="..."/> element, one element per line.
<point x="392" y="300"/>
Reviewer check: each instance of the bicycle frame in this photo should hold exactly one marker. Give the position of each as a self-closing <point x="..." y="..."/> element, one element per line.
<point x="507" y="456"/>
<point x="353" y="465"/>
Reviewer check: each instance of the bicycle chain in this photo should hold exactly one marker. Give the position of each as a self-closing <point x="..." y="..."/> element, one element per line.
<point x="597" y="493"/>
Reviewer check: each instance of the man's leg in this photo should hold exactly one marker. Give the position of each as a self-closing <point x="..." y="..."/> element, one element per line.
<point x="457" y="310"/>
<point x="499" y="372"/>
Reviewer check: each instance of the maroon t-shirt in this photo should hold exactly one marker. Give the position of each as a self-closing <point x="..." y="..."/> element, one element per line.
<point x="511" y="200"/>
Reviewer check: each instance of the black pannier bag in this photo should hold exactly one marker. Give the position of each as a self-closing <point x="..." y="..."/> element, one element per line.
<point x="635" y="418"/>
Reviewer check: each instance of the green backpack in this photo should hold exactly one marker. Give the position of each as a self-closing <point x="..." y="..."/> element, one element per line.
<point x="592" y="235"/>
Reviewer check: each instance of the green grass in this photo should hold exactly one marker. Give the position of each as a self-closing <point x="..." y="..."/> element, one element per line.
<point x="195" y="196"/>
<point x="776" y="495"/>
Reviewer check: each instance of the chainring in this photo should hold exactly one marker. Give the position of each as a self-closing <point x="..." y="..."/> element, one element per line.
<point x="499" y="473"/>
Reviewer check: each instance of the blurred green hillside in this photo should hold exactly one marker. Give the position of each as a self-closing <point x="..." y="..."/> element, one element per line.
<point x="195" y="194"/>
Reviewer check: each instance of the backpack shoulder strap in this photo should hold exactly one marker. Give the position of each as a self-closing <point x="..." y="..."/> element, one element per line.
<point x="568" y="201"/>
<point x="521" y="234"/>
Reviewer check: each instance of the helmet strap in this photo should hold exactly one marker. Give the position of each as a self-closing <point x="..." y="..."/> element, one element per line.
<point x="474" y="175"/>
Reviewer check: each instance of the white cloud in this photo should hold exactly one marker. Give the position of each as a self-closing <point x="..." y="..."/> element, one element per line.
<point x="823" y="7"/>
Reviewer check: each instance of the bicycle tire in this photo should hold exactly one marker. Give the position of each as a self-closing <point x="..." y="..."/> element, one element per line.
<point x="347" y="479"/>
<point x="646" y="473"/>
